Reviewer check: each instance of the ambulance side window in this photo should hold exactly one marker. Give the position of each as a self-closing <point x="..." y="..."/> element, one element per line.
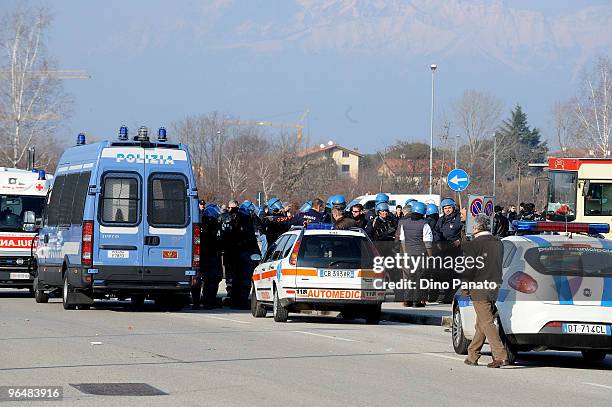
<point x="278" y="251"/>
<point x="56" y="194"/>
<point x="288" y="245"/>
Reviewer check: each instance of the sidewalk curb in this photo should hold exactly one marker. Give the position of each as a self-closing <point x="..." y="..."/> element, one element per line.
<point x="417" y="319"/>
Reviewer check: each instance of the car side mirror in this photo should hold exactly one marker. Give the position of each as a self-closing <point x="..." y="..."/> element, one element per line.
<point x="256" y="257"/>
<point x="29" y="221"/>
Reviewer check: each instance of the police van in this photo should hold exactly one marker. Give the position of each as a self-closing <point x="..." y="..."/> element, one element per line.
<point x="121" y="221"/>
<point x="22" y="199"/>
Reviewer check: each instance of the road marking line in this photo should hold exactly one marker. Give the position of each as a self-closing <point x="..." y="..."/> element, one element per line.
<point x="327" y="336"/>
<point x="598" y="385"/>
<point x="227" y="319"/>
<point x="437" y="355"/>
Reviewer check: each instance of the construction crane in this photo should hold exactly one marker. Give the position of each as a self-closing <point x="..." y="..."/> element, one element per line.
<point x="299" y="126"/>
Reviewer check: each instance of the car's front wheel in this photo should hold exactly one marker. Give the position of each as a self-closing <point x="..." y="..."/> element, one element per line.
<point x="460" y="342"/>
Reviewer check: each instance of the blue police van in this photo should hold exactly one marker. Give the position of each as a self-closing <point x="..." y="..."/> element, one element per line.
<point x="121" y="221"/>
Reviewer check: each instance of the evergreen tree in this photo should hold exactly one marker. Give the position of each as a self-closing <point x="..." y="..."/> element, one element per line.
<point x="518" y="143"/>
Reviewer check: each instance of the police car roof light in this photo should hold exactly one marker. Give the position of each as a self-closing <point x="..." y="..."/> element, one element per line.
<point x="573" y="227"/>
<point x="320" y="226"/>
<point x="123" y="133"/>
<point x="161" y="135"/>
<point x="81" y="139"/>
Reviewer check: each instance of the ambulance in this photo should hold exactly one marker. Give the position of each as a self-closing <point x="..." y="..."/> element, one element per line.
<point x="318" y="268"/>
<point x="121" y="221"/>
<point x="22" y="199"/>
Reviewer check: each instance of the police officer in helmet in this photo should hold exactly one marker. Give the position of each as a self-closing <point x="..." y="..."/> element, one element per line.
<point x="210" y="256"/>
<point x="276" y="222"/>
<point x="448" y="233"/>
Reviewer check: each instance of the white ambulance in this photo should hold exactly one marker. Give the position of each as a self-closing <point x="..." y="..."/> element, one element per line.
<point x="22" y="199"/>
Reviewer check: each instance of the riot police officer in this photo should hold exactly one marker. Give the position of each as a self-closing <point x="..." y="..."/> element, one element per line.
<point x="275" y="223"/>
<point x="310" y="212"/>
<point x="382" y="230"/>
<point x="210" y="256"/>
<point x="448" y="234"/>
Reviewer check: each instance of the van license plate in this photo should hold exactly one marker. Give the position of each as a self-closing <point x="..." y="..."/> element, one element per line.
<point x="19" y="276"/>
<point x="118" y="254"/>
<point x="588" y="329"/>
<point x="337" y="273"/>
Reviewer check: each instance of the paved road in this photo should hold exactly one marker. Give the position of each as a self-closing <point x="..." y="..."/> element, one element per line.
<point x="230" y="358"/>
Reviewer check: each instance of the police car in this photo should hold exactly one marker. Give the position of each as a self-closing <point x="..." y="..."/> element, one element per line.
<point x="318" y="268"/>
<point x="556" y="292"/>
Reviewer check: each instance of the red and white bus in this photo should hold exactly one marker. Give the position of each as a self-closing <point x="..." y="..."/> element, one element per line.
<point x="580" y="189"/>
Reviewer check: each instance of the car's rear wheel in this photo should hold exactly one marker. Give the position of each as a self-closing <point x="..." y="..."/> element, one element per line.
<point x="137" y="300"/>
<point x="460" y="342"/>
<point x="281" y="314"/>
<point x="348" y="313"/>
<point x="511" y="351"/>
<point x="65" y="291"/>
<point x="593" y="355"/>
<point x="257" y="308"/>
<point x="39" y="295"/>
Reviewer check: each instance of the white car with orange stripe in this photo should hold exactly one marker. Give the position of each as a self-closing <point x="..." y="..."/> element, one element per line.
<point x="318" y="268"/>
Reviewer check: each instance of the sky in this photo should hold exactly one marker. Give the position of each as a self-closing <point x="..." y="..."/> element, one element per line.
<point x="361" y="67"/>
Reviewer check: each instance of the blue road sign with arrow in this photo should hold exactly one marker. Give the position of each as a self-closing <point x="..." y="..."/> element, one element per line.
<point x="458" y="180"/>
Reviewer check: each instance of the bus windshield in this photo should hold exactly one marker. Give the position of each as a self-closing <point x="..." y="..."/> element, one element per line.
<point x="561" y="204"/>
<point x="13" y="209"/>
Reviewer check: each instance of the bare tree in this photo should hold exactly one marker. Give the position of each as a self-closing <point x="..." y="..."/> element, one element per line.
<point x="32" y="103"/>
<point x="477" y="115"/>
<point x="565" y="124"/>
<point x="594" y="108"/>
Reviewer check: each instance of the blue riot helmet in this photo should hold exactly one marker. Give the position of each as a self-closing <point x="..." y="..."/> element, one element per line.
<point x="410" y="202"/>
<point x="306" y="207"/>
<point x="381" y="198"/>
<point x="258" y="210"/>
<point x="382" y="206"/>
<point x="339" y="201"/>
<point x="432" y="209"/>
<point x="328" y="203"/>
<point x="419" y="207"/>
<point x="447" y="202"/>
<point x="275" y="205"/>
<point x="212" y="211"/>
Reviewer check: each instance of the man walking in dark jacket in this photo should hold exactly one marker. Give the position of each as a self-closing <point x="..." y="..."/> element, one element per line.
<point x="500" y="223"/>
<point x="490" y="249"/>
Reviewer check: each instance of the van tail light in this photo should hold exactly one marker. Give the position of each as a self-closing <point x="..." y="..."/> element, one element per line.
<point x="87" y="244"/>
<point x="294" y="253"/>
<point x="523" y="282"/>
<point x="195" y="257"/>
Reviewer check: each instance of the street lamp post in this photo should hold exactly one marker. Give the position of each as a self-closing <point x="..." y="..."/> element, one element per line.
<point x="431" y="129"/>
<point x="456" y="148"/>
<point x="494" y="159"/>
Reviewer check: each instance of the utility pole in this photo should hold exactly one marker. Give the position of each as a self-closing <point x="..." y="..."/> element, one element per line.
<point x="494" y="159"/>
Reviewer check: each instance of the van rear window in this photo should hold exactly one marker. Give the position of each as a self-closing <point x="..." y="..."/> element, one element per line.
<point x="333" y="251"/>
<point x="120" y="200"/>
<point x="168" y="200"/>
